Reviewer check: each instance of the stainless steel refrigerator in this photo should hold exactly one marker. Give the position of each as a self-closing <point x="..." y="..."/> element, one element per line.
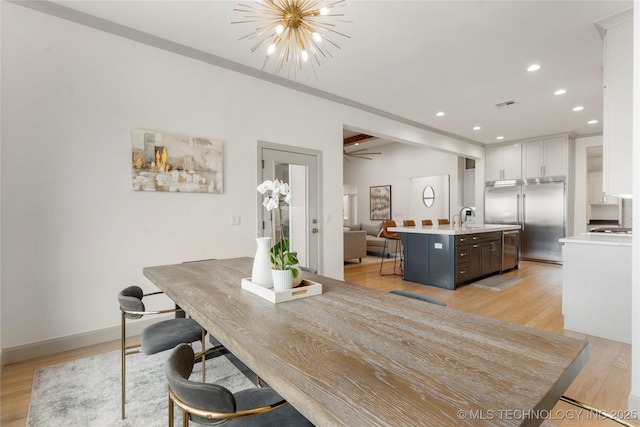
<point x="538" y="207"/>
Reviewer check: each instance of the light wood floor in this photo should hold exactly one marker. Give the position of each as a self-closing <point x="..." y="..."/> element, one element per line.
<point x="604" y="382"/>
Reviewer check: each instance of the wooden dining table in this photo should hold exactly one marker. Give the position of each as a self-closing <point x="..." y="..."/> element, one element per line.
<point x="354" y="356"/>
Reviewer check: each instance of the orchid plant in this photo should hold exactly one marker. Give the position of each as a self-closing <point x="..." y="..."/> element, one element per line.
<point x="277" y="194"/>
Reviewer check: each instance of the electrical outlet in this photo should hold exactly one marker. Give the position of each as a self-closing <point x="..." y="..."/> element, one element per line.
<point x="234" y="220"/>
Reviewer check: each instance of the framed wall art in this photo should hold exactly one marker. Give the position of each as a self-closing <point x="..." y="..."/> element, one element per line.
<point x="183" y="164"/>
<point x="380" y="202"/>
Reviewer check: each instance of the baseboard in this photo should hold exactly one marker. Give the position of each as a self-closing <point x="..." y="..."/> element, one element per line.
<point x="634" y="403"/>
<point x="70" y="342"/>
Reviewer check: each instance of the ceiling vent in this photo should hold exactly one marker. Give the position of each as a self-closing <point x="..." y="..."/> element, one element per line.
<point x="505" y="104"/>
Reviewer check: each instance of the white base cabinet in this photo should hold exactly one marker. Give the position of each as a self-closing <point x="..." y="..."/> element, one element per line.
<point x="596" y="286"/>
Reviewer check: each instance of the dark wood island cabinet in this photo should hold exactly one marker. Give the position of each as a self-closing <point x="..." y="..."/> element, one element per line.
<point x="447" y="257"/>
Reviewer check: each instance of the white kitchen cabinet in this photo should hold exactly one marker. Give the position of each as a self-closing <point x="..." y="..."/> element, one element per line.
<point x="618" y="106"/>
<point x="596" y="195"/>
<point x="547" y="157"/>
<point x="503" y="163"/>
<point x="596" y="285"/>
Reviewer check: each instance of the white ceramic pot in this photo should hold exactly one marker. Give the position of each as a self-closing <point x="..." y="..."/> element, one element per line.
<point x="297" y="281"/>
<point x="261" y="271"/>
<point x="282" y="280"/>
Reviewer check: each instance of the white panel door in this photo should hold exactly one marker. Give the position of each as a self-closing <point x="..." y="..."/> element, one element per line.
<point x="301" y="225"/>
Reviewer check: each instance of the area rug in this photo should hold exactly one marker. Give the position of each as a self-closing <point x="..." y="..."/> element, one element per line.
<point x="498" y="283"/>
<point x="86" y="392"/>
<point x="368" y="260"/>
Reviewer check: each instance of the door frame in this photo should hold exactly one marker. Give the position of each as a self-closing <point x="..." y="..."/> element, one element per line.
<point x="298" y="150"/>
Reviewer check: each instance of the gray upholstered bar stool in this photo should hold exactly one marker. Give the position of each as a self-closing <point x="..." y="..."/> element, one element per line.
<point x="160" y="336"/>
<point x="212" y="404"/>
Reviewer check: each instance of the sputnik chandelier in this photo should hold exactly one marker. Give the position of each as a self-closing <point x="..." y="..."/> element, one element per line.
<point x="296" y="31"/>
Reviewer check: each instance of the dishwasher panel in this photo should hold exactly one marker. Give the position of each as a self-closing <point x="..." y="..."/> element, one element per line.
<point x="510" y="245"/>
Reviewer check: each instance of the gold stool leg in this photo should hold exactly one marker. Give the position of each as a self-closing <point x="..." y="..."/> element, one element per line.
<point x="204" y="357"/>
<point x="170" y="405"/>
<point x="123" y="343"/>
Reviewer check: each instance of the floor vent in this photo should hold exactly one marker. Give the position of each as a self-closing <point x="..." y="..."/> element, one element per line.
<point x="507" y="103"/>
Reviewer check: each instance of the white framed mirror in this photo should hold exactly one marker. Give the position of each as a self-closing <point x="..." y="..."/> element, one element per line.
<point x="428" y="196"/>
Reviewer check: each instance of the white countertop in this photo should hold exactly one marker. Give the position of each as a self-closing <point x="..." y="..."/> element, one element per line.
<point x="599" y="239"/>
<point x="451" y="230"/>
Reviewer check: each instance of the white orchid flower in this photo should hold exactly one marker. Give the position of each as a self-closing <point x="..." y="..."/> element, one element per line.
<point x="265" y="186"/>
<point x="287" y="198"/>
<point x="270" y="204"/>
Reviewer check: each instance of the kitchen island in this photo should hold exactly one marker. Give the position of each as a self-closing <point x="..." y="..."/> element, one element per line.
<point x="596" y="285"/>
<point x="447" y="256"/>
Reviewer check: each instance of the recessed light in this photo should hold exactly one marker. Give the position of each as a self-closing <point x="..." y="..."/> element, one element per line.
<point x="592" y="122"/>
<point x="500" y="137"/>
<point x="357" y="143"/>
<point x="560" y="92"/>
<point x="534" y="67"/>
<point x="477" y="128"/>
<point x="440" y="114"/>
<point x="578" y="108"/>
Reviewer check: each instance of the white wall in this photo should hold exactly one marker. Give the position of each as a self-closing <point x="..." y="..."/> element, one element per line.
<point x="73" y="231"/>
<point x="634" y="396"/>
<point x="440" y="208"/>
<point x="1" y="354"/>
<point x="397" y="164"/>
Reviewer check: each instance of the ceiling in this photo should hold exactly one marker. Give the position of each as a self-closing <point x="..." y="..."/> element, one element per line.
<point x="412" y="59"/>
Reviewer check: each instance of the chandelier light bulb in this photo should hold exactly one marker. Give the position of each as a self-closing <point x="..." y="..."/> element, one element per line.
<point x="295" y="29"/>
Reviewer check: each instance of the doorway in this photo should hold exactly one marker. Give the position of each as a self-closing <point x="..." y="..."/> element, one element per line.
<point x="299" y="168"/>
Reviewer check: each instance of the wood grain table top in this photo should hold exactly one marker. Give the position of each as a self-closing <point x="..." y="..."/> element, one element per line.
<point x="358" y="357"/>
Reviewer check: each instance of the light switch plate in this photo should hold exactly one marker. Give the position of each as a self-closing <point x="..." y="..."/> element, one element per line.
<point x="234" y="220"/>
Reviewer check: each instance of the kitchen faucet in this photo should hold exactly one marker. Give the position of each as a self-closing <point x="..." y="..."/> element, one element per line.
<point x="464" y="208"/>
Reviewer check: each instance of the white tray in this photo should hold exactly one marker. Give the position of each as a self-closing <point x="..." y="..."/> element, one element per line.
<point x="306" y="289"/>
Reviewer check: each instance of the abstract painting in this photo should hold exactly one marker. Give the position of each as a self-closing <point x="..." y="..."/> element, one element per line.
<point x="380" y="202"/>
<point x="184" y="164"/>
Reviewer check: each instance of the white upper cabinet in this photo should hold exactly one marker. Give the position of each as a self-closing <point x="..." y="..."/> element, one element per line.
<point x="548" y="157"/>
<point x="618" y="104"/>
<point x="503" y="163"/>
<point x="596" y="195"/>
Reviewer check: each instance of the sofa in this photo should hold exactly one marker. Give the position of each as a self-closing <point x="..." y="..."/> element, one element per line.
<point x="355" y="244"/>
<point x="374" y="243"/>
